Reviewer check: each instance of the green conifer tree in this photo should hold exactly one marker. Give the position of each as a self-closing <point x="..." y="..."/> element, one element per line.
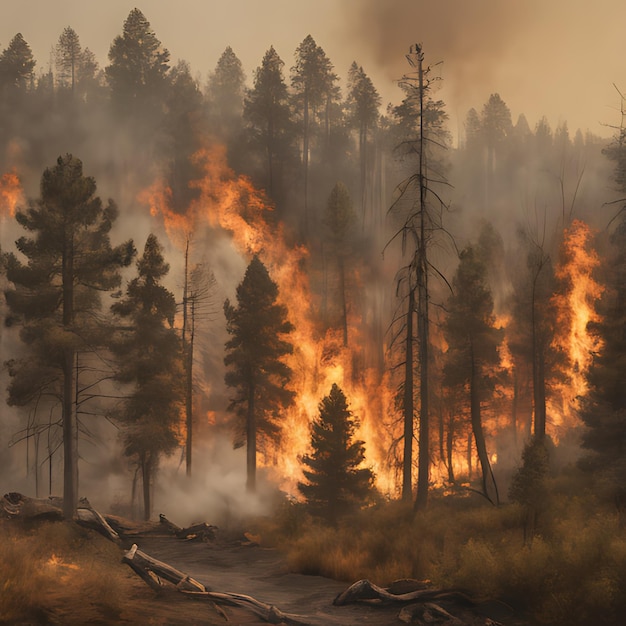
<point x="335" y="482"/>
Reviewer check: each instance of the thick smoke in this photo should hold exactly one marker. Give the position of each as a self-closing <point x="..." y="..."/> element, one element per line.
<point x="543" y="58"/>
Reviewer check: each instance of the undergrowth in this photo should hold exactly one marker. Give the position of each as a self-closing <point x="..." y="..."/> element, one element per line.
<point x="39" y="562"/>
<point x="572" y="570"/>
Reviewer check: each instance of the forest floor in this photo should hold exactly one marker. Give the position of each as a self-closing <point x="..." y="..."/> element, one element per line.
<point x="82" y="580"/>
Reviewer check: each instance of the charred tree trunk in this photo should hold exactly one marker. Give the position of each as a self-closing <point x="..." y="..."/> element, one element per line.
<point x="70" y="451"/>
<point x="146" y="476"/>
<point x="305" y="158"/>
<point x="450" y="449"/>
<point x="251" y="441"/>
<point x="538" y="361"/>
<point x="342" y="295"/>
<point x="487" y="478"/>
<point x="407" y="466"/>
<point x="423" y="331"/>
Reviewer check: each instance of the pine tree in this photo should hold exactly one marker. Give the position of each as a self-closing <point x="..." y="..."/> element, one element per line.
<point x="335" y="481"/>
<point x="339" y="219"/>
<point x="472" y="356"/>
<point x="138" y="67"/>
<point x="362" y="103"/>
<point x="55" y="295"/>
<point x="314" y="85"/>
<point x="69" y="55"/>
<point x="257" y="373"/>
<point x="150" y="359"/>
<point x="16" y="64"/>
<point x="225" y="93"/>
<point x="604" y="407"/>
<point x="267" y="115"/>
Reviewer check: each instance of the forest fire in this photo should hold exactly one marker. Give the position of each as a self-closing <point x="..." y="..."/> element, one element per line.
<point x="575" y="310"/>
<point x="231" y="204"/>
<point x="11" y="193"/>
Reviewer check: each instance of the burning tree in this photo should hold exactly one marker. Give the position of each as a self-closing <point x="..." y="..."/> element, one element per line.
<point x="258" y="326"/>
<point x="150" y="358"/>
<point x="56" y="296"/>
<point x="336" y="483"/>
<point x="604" y="407"/>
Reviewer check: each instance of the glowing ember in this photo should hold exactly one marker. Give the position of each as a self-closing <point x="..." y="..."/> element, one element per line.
<point x="55" y="561"/>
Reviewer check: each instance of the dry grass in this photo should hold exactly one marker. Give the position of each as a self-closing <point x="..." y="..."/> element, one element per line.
<point x="40" y="563"/>
<point x="572" y="572"/>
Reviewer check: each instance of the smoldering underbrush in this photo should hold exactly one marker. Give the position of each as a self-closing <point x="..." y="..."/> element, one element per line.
<point x="571" y="570"/>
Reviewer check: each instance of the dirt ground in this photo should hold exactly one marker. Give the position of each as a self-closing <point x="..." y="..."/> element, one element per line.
<point x="224" y="565"/>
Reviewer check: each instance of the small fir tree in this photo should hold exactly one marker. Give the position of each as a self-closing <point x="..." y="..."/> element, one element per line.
<point x="335" y="482"/>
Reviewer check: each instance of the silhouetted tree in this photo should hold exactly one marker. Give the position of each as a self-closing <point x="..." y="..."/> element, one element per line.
<point x="313" y="82"/>
<point x="362" y="105"/>
<point x="16" y="64"/>
<point x="70" y="261"/>
<point x="184" y="131"/>
<point x="335" y="483"/>
<point x="68" y="57"/>
<point x="604" y="407"/>
<point x="339" y="219"/>
<point x="419" y="131"/>
<point x="138" y="68"/>
<point x="258" y="329"/>
<point x="472" y="358"/>
<point x="225" y="93"/>
<point x="267" y="114"/>
<point x="149" y="357"/>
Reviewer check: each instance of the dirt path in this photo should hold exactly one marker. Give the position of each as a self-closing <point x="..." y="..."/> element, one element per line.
<point x="262" y="573"/>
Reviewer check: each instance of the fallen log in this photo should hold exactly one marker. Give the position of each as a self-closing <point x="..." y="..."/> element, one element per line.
<point x="366" y="591"/>
<point x="88" y="516"/>
<point x="195" y="532"/>
<point x="429" y="613"/>
<point x="141" y="560"/>
<point x="17" y="505"/>
<point x="152" y="571"/>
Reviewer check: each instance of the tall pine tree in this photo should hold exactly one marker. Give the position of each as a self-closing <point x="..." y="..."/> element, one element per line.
<point x="56" y="295"/>
<point x="258" y="327"/>
<point x="150" y="359"/>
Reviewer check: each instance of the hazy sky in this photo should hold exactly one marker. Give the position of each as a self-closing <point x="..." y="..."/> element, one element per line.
<point x="554" y="57"/>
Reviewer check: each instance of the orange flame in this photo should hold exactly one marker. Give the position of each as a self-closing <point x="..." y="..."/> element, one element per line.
<point x="231" y="203"/>
<point x="11" y="193"/>
<point x="575" y="310"/>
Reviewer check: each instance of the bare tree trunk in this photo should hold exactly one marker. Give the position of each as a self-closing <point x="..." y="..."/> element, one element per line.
<point x="342" y="295"/>
<point x="407" y="466"/>
<point x="450" y="449"/>
<point x="70" y="465"/>
<point x="189" y="391"/>
<point x="479" y="436"/>
<point x="305" y="156"/>
<point x="146" y="475"/>
<point x="251" y="442"/>
<point x="422" y="313"/>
